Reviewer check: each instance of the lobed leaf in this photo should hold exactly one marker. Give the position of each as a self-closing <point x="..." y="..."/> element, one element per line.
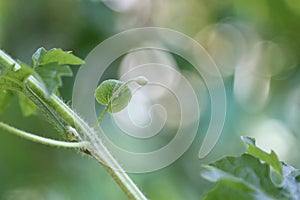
<point x="43" y="57"/>
<point x="51" y="75"/>
<point x="271" y="158"/>
<point x="52" y="65"/>
<point x="47" y="66"/>
<point x="248" y="177"/>
<point x="246" y="171"/>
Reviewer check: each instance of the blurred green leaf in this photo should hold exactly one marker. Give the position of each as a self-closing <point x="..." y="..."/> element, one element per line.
<point x="27" y="107"/>
<point x="231" y="190"/>
<point x="13" y="77"/>
<point x="291" y="181"/>
<point x="271" y="158"/>
<point x="5" y="99"/>
<point x="246" y="171"/>
<point x="248" y="177"/>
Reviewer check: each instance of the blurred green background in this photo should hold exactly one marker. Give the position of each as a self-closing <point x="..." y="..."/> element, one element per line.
<point x="255" y="44"/>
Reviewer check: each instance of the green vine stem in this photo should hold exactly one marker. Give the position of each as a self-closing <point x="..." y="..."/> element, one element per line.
<point x="39" y="139"/>
<point x="80" y="128"/>
<point x="104" y="112"/>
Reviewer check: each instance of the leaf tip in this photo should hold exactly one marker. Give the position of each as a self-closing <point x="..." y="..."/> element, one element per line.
<point x="248" y="140"/>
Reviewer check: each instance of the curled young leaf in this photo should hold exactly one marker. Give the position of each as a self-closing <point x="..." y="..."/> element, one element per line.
<point x="113" y="93"/>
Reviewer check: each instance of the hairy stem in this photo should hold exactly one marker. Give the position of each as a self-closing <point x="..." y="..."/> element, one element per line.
<point x="82" y="130"/>
<point x="104" y="112"/>
<point x="96" y="147"/>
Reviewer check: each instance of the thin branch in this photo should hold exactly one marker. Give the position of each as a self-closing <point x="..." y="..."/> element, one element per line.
<point x="39" y="139"/>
